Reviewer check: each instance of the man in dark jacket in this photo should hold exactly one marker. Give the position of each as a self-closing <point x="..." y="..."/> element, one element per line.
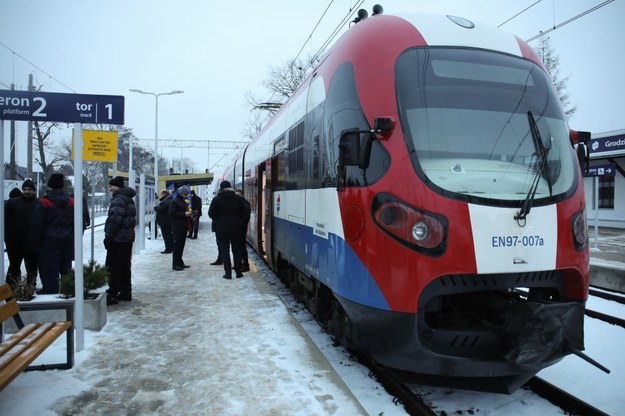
<point x="245" y="262"/>
<point x="227" y="211"/>
<point x="180" y="214"/>
<point x="162" y="217"/>
<point x="17" y="217"/>
<point x="52" y="232"/>
<point x="196" y="213"/>
<point x="119" y="235"/>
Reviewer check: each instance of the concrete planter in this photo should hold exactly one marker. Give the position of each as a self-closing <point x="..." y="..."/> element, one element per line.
<point x="95" y="312"/>
<point x="94" y="317"/>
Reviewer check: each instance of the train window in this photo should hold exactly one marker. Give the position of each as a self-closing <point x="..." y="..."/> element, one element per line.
<point x="295" y="158"/>
<point x="464" y="114"/>
<point x="343" y="112"/>
<point x="278" y="165"/>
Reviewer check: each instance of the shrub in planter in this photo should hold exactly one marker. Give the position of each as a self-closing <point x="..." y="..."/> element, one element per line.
<point x="94" y="276"/>
<point x="21" y="288"/>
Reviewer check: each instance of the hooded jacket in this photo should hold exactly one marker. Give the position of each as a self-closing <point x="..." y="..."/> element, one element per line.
<point x="162" y="211"/>
<point x="121" y="221"/>
<point x="18" y="213"/>
<point x="177" y="208"/>
<point x="52" y="222"/>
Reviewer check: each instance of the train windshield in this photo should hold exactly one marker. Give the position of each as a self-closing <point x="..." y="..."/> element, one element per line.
<point x="467" y="116"/>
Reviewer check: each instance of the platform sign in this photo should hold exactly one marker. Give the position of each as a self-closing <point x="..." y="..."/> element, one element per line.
<point x="98" y="145"/>
<point x="68" y="108"/>
<point x="609" y="169"/>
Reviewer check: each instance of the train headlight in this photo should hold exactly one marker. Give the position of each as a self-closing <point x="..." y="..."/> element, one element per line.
<point x="580" y="230"/>
<point x="414" y="228"/>
<point x="420" y="231"/>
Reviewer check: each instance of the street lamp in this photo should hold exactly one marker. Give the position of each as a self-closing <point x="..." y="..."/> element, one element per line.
<point x="155" y="136"/>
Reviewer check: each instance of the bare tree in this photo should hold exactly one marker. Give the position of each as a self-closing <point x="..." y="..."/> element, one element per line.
<point x="281" y="82"/>
<point x="252" y="128"/>
<point x="182" y="165"/>
<point x="43" y="145"/>
<point x="552" y="63"/>
<point x="284" y="79"/>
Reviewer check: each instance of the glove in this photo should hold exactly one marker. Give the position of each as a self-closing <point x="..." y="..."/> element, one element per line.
<point x="107" y="243"/>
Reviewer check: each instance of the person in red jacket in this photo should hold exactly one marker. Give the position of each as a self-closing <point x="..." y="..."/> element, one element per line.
<point x="52" y="233"/>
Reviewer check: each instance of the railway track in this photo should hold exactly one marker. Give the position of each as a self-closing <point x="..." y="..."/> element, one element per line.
<point x="603" y="316"/>
<point x="567" y="402"/>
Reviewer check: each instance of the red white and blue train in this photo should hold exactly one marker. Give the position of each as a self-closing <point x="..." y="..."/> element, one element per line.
<point x="421" y="193"/>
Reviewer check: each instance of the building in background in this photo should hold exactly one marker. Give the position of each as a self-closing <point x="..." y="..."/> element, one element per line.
<point x="604" y="184"/>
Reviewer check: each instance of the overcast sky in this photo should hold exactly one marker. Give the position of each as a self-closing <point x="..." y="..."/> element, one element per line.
<point x="217" y="51"/>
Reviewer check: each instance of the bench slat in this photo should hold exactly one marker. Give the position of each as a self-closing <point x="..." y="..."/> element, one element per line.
<point x="15" y="338"/>
<point x="22" y="342"/>
<point x="27" y="350"/>
<point x="8" y="309"/>
<point x="5" y="291"/>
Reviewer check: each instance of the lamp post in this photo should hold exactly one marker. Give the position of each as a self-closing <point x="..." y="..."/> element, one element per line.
<point x="155" y="135"/>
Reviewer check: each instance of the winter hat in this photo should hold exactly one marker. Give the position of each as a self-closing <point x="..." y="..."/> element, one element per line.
<point x="15" y="192"/>
<point x="29" y="184"/>
<point x="56" y="181"/>
<point x="183" y="190"/>
<point x="117" y="181"/>
<point x="224" y="185"/>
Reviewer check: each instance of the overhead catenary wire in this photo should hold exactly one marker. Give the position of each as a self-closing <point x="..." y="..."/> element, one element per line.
<point x="519" y="13"/>
<point x="566" y="22"/>
<point x="321" y="49"/>
<point x="35" y="66"/>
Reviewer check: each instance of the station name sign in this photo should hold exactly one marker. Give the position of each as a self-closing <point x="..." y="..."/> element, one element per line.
<point x="610" y="145"/>
<point x="59" y="107"/>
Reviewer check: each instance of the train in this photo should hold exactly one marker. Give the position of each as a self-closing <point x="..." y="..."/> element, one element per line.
<point x="421" y="193"/>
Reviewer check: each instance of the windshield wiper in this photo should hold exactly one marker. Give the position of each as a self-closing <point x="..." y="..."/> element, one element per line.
<point x="543" y="169"/>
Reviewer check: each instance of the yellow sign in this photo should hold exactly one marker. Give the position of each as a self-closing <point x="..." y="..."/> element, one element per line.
<point x="98" y="145"/>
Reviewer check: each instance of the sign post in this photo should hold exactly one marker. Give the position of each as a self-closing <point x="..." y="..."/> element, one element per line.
<point x="68" y="108"/>
<point x="608" y="169"/>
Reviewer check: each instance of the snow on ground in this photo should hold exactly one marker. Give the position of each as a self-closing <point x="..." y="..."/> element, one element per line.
<point x="189" y="343"/>
<point x="192" y="343"/>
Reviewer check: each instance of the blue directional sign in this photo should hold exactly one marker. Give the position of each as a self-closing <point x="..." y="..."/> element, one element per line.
<point x="609" y="169"/>
<point x="68" y="108"/>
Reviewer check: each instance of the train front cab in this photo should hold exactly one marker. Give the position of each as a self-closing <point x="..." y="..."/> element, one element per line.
<point x="502" y="292"/>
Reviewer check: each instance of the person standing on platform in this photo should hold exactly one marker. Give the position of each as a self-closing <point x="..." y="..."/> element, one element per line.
<point x="119" y="235"/>
<point x="218" y="261"/>
<point x="196" y="213"/>
<point x="17" y="218"/>
<point x="245" y="262"/>
<point x="227" y="211"/>
<point x="162" y="218"/>
<point x="180" y="214"/>
<point x="52" y="233"/>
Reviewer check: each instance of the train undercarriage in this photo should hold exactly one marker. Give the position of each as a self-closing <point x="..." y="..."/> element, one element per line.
<point x="488" y="333"/>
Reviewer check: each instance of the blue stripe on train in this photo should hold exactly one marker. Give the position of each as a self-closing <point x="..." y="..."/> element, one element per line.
<point x="329" y="260"/>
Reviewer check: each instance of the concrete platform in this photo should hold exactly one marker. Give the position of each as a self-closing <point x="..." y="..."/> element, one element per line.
<point x="607" y="258"/>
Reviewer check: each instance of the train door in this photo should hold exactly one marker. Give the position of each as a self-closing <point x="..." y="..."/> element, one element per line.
<point x="260" y="208"/>
<point x="265" y="211"/>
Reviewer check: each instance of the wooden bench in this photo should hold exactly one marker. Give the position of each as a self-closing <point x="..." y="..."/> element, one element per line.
<point x="19" y="350"/>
